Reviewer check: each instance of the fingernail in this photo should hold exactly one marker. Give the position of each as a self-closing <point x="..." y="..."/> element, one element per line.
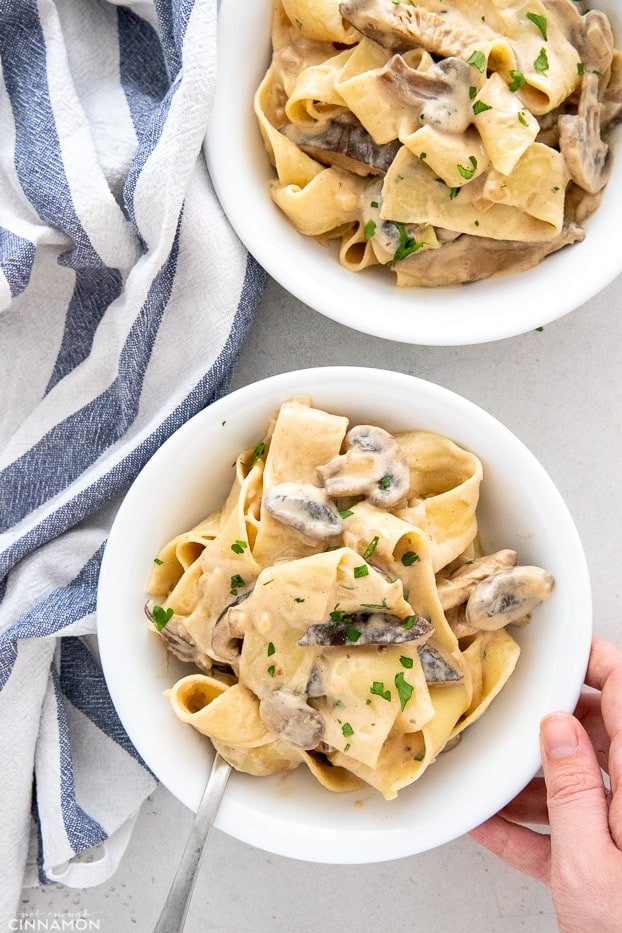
<point x="559" y="736"/>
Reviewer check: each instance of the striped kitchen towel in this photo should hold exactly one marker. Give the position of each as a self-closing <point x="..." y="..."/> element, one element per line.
<point x="124" y="298"/>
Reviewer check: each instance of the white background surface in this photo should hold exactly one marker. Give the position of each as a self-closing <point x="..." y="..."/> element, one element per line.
<point x="559" y="391"/>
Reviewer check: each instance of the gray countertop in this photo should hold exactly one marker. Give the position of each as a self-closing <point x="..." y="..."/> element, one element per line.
<point x="558" y="390"/>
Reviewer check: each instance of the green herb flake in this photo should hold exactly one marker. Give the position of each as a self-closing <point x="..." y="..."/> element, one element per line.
<point x="362" y="571"/>
<point x="472" y="92"/>
<point x="468" y="172"/>
<point x="347" y="730"/>
<point x="352" y="634"/>
<point x="271" y="649"/>
<point x="346" y="747"/>
<point x="480" y="107"/>
<point x="408" y="245"/>
<point x="406" y="662"/>
<point x="370" y="229"/>
<point x="423" y="155"/>
<point x="541" y="64"/>
<point x="377" y="689"/>
<point x="419" y="756"/>
<point x="385" y="482"/>
<point x="346" y="513"/>
<point x="453" y="193"/>
<point x="409" y="558"/>
<point x="522" y="118"/>
<point x="478" y="60"/>
<point x="236" y="583"/>
<point x="272" y="670"/>
<point x="409" y="622"/>
<point x="539" y="21"/>
<point x="518" y="79"/>
<point x="258" y="452"/>
<point x="158" y="561"/>
<point x="161" y="616"/>
<point x="238" y="547"/>
<point x="374" y="204"/>
<point x="299" y="599"/>
<point x="580" y="68"/>
<point x="404" y="689"/>
<point x="371" y="547"/>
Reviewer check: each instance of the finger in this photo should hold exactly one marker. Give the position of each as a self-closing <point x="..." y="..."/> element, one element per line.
<point x="521" y="848"/>
<point x="615" y="805"/>
<point x="604" y="659"/>
<point x="611" y="703"/>
<point x="575" y="791"/>
<point x="529" y="806"/>
<point x="589" y="714"/>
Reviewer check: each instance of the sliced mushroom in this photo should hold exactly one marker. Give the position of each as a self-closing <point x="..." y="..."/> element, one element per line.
<point x="455" y="589"/>
<point x="440" y="95"/>
<point x="305" y="508"/>
<point x="178" y="641"/>
<point x="366" y="628"/>
<point x="587" y="156"/>
<point x="290" y="716"/>
<point x="346" y="144"/>
<point x="507" y="597"/>
<point x="436" y="668"/>
<point x="373" y="466"/>
<point x="401" y="27"/>
<point x="227" y="634"/>
<point x="471" y="258"/>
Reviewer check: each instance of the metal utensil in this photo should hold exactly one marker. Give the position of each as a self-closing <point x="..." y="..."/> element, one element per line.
<point x="173" y="915"/>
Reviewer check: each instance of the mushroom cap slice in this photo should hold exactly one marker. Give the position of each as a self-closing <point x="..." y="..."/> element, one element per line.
<point x="366" y="628"/>
<point x="346" y="144"/>
<point x="508" y="596"/>
<point x="373" y="465"/>
<point x="305" y="508"/>
<point x="289" y="715"/>
<point x="436" y="668"/>
<point x="587" y="156"/>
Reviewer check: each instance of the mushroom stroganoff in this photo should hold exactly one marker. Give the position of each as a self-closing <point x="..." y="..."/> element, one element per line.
<point x="447" y="141"/>
<point x="339" y="606"/>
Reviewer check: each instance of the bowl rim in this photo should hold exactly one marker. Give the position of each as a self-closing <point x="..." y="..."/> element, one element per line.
<point x="374" y="833"/>
<point x="479" y="312"/>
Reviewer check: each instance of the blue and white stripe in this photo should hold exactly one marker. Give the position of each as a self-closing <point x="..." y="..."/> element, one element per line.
<point x="124" y="298"/>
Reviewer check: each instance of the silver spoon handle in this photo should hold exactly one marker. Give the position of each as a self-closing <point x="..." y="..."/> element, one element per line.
<point x="175" y="908"/>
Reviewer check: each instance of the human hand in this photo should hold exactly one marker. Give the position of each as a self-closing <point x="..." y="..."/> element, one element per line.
<point x="581" y="858"/>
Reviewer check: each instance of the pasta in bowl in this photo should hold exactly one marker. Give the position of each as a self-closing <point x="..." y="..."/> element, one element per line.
<point x="381" y="150"/>
<point x="505" y="501"/>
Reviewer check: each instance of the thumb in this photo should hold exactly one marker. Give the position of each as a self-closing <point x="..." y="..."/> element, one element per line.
<point x="576" y="796"/>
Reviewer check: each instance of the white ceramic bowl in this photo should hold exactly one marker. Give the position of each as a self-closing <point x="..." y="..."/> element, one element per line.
<point x="291" y="814"/>
<point x="369" y="301"/>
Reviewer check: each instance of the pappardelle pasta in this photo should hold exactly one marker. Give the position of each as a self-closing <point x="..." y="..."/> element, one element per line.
<point x="446" y="141"/>
<point x="338" y="605"/>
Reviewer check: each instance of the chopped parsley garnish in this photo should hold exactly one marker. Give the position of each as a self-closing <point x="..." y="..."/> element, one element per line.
<point x="385" y="482"/>
<point x="362" y="571"/>
<point x="408" y="244"/>
<point x="404" y="689"/>
<point x="299" y="599"/>
<point x="374" y="204"/>
<point x="518" y="79"/>
<point x="454" y="192"/>
<point x="522" y="118"/>
<point x="371" y="547"/>
<point x="580" y="68"/>
<point x="409" y="622"/>
<point x="346" y="513"/>
<point x="419" y="756"/>
<point x="539" y="21"/>
<point x="472" y="92"/>
<point x="377" y="689"/>
<point x="541" y="64"/>
<point x="478" y="60"/>
<point x="161" y="616"/>
<point x="158" y="561"/>
<point x="468" y="172"/>
<point x="272" y="670"/>
<point x="258" y="452"/>
<point x="271" y="648"/>
<point x="479" y="107"/>
<point x="409" y="558"/>
<point x="370" y="229"/>
<point x="406" y="662"/>
<point x="352" y="634"/>
<point x="236" y="583"/>
<point x="346" y="747"/>
<point x="238" y="547"/>
<point x="347" y="729"/>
